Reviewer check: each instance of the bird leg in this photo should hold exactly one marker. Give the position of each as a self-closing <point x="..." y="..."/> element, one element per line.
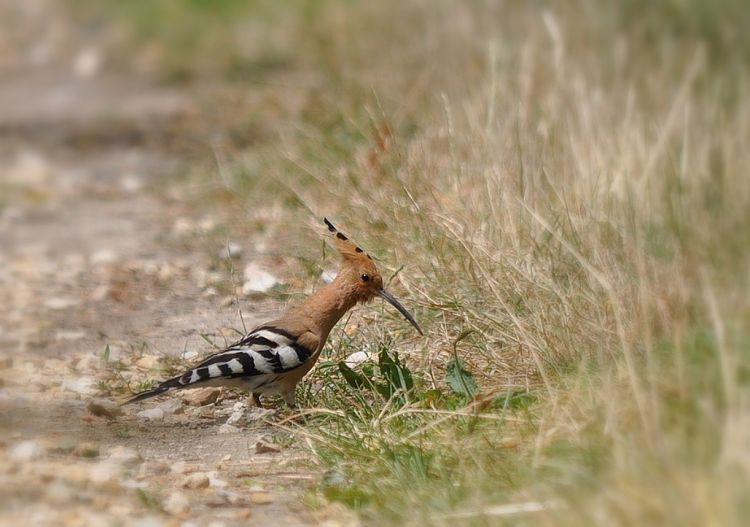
<point x="289" y="397"/>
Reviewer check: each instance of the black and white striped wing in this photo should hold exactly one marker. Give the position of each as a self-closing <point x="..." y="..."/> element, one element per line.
<point x="259" y="358"/>
<point x="266" y="350"/>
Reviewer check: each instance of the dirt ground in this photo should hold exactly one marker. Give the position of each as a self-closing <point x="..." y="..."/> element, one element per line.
<point x="93" y="259"/>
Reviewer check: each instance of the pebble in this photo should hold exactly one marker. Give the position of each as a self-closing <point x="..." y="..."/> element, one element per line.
<point x="204" y="412"/>
<point x="171" y="407"/>
<point x="183" y="227"/>
<point x="148" y="521"/>
<point x="59" y="303"/>
<point x="214" y="482"/>
<point x="30" y="169"/>
<point x="166" y="272"/>
<point x="147" y="362"/>
<point x="257" y="414"/>
<point x="100" y="293"/>
<point x="131" y="183"/>
<point x="356" y="358"/>
<point x="328" y="276"/>
<point x="264" y="447"/>
<point x="152" y="414"/>
<point x="103" y="257"/>
<point x="62" y="336"/>
<point x="125" y="456"/>
<point x="104" y="472"/>
<point x="261" y="498"/>
<point x="230" y="250"/>
<point x="207" y="223"/>
<point x="190" y="355"/>
<point x="80" y="385"/>
<point x="26" y="451"/>
<point x="230" y="497"/>
<point x="87" y="63"/>
<point x="88" y="363"/>
<point x="257" y="280"/>
<point x="228" y="429"/>
<point x="237" y="414"/>
<point x="197" y="480"/>
<point x="177" y="503"/>
<point x="201" y="396"/>
<point x="104" y="408"/>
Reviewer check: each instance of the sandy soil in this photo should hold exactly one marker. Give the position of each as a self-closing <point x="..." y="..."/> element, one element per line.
<point x="92" y="257"/>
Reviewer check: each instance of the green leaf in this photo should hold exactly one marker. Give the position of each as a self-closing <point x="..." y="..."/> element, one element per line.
<point x="395" y="372"/>
<point x="106" y="354"/>
<point x="353" y="379"/>
<point x="460" y="379"/>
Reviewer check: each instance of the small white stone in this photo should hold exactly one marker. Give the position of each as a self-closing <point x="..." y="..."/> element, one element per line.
<point x="152" y="414"/>
<point x="124" y="456"/>
<point x="190" y="355"/>
<point x="103" y="472"/>
<point x="147" y="362"/>
<point x="103" y="257"/>
<point x="171" y="406"/>
<point x="183" y="227"/>
<point x="257" y="280"/>
<point x="228" y="429"/>
<point x="215" y="482"/>
<point x="230" y="250"/>
<point x="100" y="293"/>
<point x="69" y="335"/>
<point x="207" y="224"/>
<point x="131" y="183"/>
<point x="30" y="169"/>
<point x="26" y="451"/>
<point x="87" y="63"/>
<point x="238" y="412"/>
<point x="80" y="385"/>
<point x="197" y="480"/>
<point x="59" y="303"/>
<point x="256" y="414"/>
<point x="88" y="362"/>
<point x="328" y="275"/>
<point x="177" y="503"/>
<point x="356" y="358"/>
<point x="147" y="521"/>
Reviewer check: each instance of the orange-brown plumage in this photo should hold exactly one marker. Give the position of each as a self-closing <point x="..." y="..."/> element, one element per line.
<point x="273" y="357"/>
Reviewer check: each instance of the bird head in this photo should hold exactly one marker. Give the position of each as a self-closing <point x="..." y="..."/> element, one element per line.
<point x="360" y="275"/>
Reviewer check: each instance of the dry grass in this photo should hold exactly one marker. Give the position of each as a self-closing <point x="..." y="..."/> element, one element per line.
<point x="566" y="189"/>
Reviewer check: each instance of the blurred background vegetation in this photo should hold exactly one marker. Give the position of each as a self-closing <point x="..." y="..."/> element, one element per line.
<point x="565" y="187"/>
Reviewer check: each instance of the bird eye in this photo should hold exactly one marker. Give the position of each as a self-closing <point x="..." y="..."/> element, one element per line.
<point x="365" y="277"/>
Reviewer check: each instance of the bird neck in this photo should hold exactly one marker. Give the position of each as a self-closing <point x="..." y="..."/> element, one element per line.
<point x="326" y="306"/>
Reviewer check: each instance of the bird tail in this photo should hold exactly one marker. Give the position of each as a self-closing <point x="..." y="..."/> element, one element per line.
<point x="171" y="384"/>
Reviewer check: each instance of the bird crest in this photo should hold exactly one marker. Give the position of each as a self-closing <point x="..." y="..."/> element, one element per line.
<point x="349" y="250"/>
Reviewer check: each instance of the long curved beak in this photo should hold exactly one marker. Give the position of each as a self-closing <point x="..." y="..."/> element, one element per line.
<point x="382" y="293"/>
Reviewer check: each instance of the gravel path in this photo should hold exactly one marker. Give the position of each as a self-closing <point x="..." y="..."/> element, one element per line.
<point x="91" y="258"/>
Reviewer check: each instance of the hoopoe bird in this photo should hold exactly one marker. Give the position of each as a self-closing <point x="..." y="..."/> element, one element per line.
<point x="274" y="356"/>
